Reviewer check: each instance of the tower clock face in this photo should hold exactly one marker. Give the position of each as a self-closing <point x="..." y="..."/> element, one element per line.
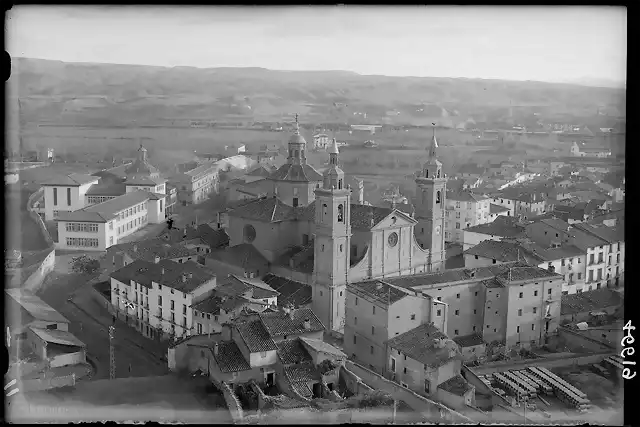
<point x="393" y="239"/>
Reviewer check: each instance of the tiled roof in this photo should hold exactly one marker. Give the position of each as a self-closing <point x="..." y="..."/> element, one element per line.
<point x="589" y="301"/>
<point x="279" y="323"/>
<point x="140" y="167"/>
<point x="230" y="358"/>
<point x="323" y="347"/>
<point x="213" y="237"/>
<point x="147" y="250"/>
<point x="260" y="170"/>
<point x="107" y="210"/>
<point x="366" y="217"/>
<point x="209" y="305"/>
<point x="502" y="251"/>
<point x="166" y="273"/>
<point x="292" y="352"/>
<point x="300" y="376"/>
<point x="608" y="234"/>
<point x="465" y="196"/>
<point x="298" y="258"/>
<point x="202" y="169"/>
<point x="56" y="336"/>
<point x="291" y="292"/>
<point x="36" y="307"/>
<point x="269" y="209"/>
<point x="297" y="173"/>
<point x="502" y="226"/>
<point x="377" y="291"/>
<point x="495" y="209"/>
<point x="106" y="189"/>
<point x="243" y="255"/>
<point x="82" y="216"/>
<point x="519" y="271"/>
<point x="255" y="336"/>
<point x="469" y="340"/>
<point x="71" y="180"/>
<point x="585" y="240"/>
<point x="492" y="283"/>
<point x="145" y="180"/>
<point x="419" y="345"/>
<point x="456" y="385"/>
<point x="259" y="288"/>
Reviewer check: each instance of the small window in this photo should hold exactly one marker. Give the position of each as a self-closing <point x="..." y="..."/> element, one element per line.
<point x="457" y="312"/>
<point x="474" y="328"/>
<point x="535" y="293"/>
<point x="476" y="294"/>
<point x="355" y="320"/>
<point x="549" y="291"/>
<point x="373" y="330"/>
<point x="439" y="312"/>
<point x="533" y="327"/>
<point x="458" y="296"/>
<point x="535" y="310"/>
<point x="520" y="312"/>
<point x="517" y="329"/>
<point x="356" y="300"/>
<point x="413" y="317"/>
<point x="354" y="339"/>
<point x="520" y="295"/>
<point x="374" y="309"/>
<point x="455" y="332"/>
<point x="475" y="311"/>
<point x="371" y="349"/>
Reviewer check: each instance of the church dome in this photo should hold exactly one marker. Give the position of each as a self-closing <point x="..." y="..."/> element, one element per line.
<point x="296" y="138"/>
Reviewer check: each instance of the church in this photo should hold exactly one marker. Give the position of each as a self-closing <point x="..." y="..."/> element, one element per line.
<point x="308" y="229"/>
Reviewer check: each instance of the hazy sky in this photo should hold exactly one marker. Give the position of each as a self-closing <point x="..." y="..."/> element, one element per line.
<point x="518" y="43"/>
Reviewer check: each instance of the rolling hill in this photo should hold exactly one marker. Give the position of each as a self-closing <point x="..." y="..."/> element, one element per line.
<point x="56" y="91"/>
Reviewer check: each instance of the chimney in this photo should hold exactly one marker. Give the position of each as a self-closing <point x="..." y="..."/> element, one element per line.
<point x="135" y="248"/>
<point x="190" y="275"/>
<point x="162" y="271"/>
<point x="215" y="349"/>
<point x="184" y="278"/>
<point x="307" y="324"/>
<point x="156" y="260"/>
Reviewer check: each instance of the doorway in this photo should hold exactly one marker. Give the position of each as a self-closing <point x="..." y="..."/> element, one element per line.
<point x="269" y="380"/>
<point x="317" y="390"/>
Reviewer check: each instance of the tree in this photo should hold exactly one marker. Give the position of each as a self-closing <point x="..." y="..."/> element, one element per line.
<point x="84" y="265"/>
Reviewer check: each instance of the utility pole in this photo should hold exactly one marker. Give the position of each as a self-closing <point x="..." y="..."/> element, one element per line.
<point x="112" y="353"/>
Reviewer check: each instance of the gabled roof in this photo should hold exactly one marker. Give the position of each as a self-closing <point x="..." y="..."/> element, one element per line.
<point x="255" y="336"/>
<point x="502" y="251"/>
<point x="469" y="340"/>
<point x="279" y="323"/>
<point x="456" y="385"/>
<point x="56" y="336"/>
<point x="296" y="173"/>
<point x="590" y="301"/>
<point x="269" y="209"/>
<point x="608" y="234"/>
<point x="230" y="358"/>
<point x="106" y="211"/>
<point x="36" y="307"/>
<point x="496" y="209"/>
<point x="291" y="292"/>
<point x="299" y="377"/>
<point x="322" y="347"/>
<point x="107" y="189"/>
<point x="167" y="273"/>
<point x="147" y="250"/>
<point x="243" y="255"/>
<point x="377" y="291"/>
<point x="145" y="180"/>
<point x="502" y="226"/>
<point x="261" y="170"/>
<point x="292" y="351"/>
<point x="420" y="344"/>
<point x="71" y="180"/>
<point x="366" y="217"/>
<point x="213" y="237"/>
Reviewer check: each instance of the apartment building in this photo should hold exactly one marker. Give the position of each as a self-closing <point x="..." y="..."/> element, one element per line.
<point x="156" y="297"/>
<point x="521" y="203"/>
<point x="463" y="210"/>
<point x="195" y="186"/>
<point x="97" y="227"/>
<point x="66" y="194"/>
<point x="568" y="260"/>
<point x="377" y="312"/>
<point x="517" y="304"/>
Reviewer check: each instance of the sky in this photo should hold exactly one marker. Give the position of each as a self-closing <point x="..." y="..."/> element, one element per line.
<point x="514" y="43"/>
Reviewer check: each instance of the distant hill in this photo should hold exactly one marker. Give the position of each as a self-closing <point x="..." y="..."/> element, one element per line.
<point x="59" y="91"/>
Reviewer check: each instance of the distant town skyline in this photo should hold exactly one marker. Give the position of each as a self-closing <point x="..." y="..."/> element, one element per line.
<point x="556" y="44"/>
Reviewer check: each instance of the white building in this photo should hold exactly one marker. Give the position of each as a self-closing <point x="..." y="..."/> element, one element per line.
<point x="66" y="194"/>
<point x="465" y="210"/>
<point x="157" y="297"/>
<point x="100" y="226"/>
<point x="320" y="141"/>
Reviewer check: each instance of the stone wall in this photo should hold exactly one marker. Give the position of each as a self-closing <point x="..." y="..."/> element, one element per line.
<point x="430" y="410"/>
<point x="232" y="403"/>
<point x="580" y="340"/>
<point x="34" y="281"/>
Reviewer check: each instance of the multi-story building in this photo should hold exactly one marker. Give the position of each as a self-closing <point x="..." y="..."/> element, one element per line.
<point x="567" y="260"/>
<point x="587" y="151"/>
<point x="463" y="210"/>
<point x="377" y="312"/>
<point x="66" y="194"/>
<point x="100" y="226"/>
<point x="320" y="141"/>
<point x="523" y="204"/>
<point x="156" y="297"/>
<point x="195" y="185"/>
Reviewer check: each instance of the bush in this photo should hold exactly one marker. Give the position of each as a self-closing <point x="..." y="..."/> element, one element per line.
<point x="84" y="265"/>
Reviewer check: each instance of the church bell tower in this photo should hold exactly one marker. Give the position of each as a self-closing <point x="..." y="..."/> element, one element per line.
<point x="430" y="208"/>
<point x="331" y="246"/>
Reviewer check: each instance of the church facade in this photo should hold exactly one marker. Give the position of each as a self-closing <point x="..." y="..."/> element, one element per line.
<point x="310" y="229"/>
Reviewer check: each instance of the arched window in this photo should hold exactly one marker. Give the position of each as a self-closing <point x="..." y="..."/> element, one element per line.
<point x="437" y="197"/>
<point x="339" y="184"/>
<point x="340" y="213"/>
<point x="438" y="173"/>
<point x="295" y="153"/>
<point x="426" y="173"/>
<point x="324" y="210"/>
<point x="290" y="152"/>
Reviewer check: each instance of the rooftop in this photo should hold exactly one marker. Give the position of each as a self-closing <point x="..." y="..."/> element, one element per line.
<point x="456" y="385"/>
<point x="496" y="209"/>
<point x="292" y="351"/>
<point x="377" y="291"/>
<point x="244" y="255"/>
<point x="147" y="250"/>
<point x="145" y="180"/>
<point x="106" y="211"/>
<point x="502" y="226"/>
<point x="184" y="277"/>
<point x="71" y="180"/>
<point x="213" y="237"/>
<point x="297" y="173"/>
<point x="37" y="308"/>
<point x="279" y="323"/>
<point x="57" y="337"/>
<point x="291" y="292"/>
<point x="590" y="301"/>
<point x="300" y="376"/>
<point x="469" y="340"/>
<point x="230" y="358"/>
<point x="255" y="336"/>
<point x="420" y="344"/>
<point x="465" y="196"/>
<point x="322" y="347"/>
<point x="106" y="189"/>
